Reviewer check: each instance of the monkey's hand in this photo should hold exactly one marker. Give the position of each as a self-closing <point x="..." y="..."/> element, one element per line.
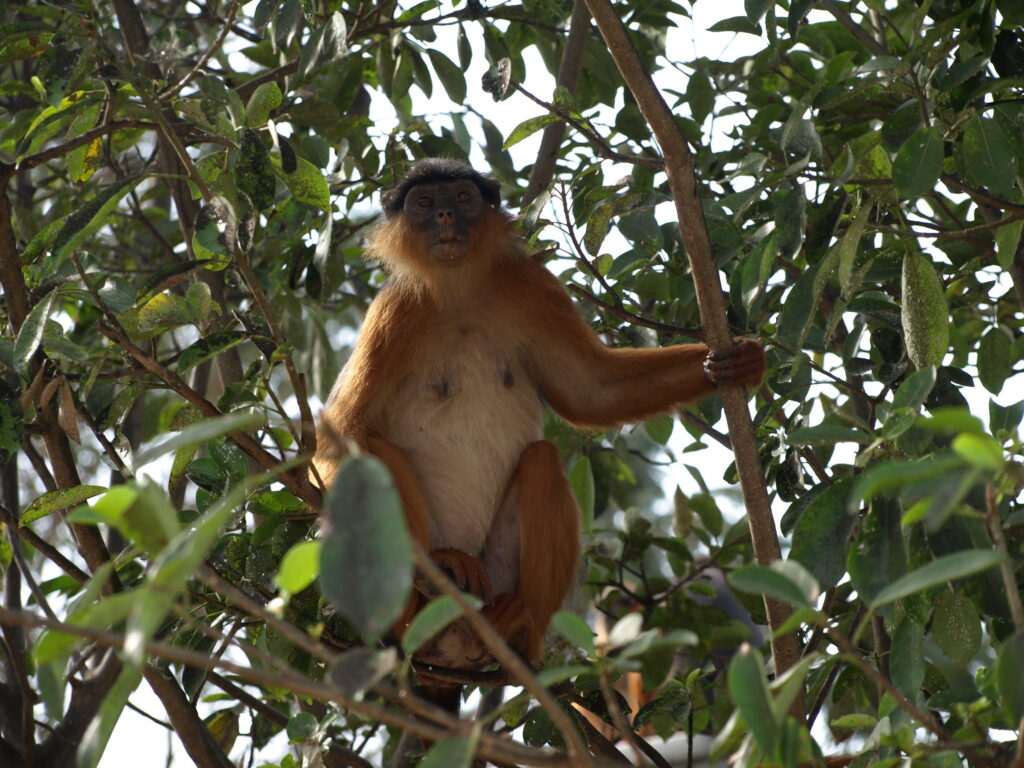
<point x="743" y="363"/>
<point x="466" y="571"/>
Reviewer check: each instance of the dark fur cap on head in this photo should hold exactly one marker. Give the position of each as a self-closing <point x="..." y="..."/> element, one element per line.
<point x="434" y="169"/>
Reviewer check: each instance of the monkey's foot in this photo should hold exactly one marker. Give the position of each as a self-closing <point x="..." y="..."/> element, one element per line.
<point x="509" y="617"/>
<point x="466" y="571"/>
<point x="743" y="363"/>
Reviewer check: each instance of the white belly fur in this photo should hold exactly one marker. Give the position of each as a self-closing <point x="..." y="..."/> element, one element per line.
<point x="463" y="427"/>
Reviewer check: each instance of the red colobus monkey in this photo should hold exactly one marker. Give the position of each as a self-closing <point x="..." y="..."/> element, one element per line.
<point x="447" y="385"/>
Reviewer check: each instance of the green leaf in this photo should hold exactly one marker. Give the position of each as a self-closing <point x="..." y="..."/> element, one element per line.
<point x="995" y="359"/>
<point x="452" y="78"/>
<point x="774" y="582"/>
<point x="939" y="571"/>
<point x="12" y="428"/>
<point x="300" y="567"/>
<point x="202" y="432"/>
<point x="907" y="658"/>
<point x="956" y="627"/>
<point x="305" y="181"/>
<point x="915" y="389"/>
<point x="1010" y="677"/>
<point x="301" y="727"/>
<point x="748" y="685"/>
<point x="827" y="434"/>
<point x="660" y="427"/>
<point x="736" y="24"/>
<point x="60" y="499"/>
<point x="575" y="630"/>
<point x="878" y="556"/>
<point x="989" y="156"/>
<point x="953" y="419"/>
<point x="822" y="534"/>
<point x="854" y="722"/>
<point x="924" y="312"/>
<point x="581" y="477"/>
<point x="918" y="163"/>
<point x="356" y="670"/>
<point x="755" y="10"/>
<point x="980" y="450"/>
<point x="88" y="218"/>
<point x="453" y="752"/>
<point x="1003" y="419"/>
<point x="30" y="335"/>
<point x="208" y="348"/>
<point x="215" y="230"/>
<point x="1007" y="240"/>
<point x="528" y="128"/>
<point x="437" y="615"/>
<point x="264" y="100"/>
<point x="327" y="44"/>
<point x="254" y="171"/>
<point x="700" y="95"/>
<point x="366" y="559"/>
<point x="142" y="512"/>
<point x="97" y="734"/>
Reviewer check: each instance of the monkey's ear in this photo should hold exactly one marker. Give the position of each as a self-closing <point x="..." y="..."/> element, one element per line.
<point x="391" y="201"/>
<point x="490" y="190"/>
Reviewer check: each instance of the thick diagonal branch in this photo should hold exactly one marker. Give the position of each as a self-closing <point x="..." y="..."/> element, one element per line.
<point x="682" y="180"/>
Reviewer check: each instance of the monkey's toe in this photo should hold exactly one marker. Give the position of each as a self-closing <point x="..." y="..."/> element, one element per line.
<point x="466" y="571"/>
<point x="510" y="618"/>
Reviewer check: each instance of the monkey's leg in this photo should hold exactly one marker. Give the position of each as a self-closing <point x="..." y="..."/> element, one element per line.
<point x="549" y="548"/>
<point x="465" y="570"/>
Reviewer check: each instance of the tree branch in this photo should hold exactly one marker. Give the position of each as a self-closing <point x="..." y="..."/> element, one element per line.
<point x="195" y="736"/>
<point x="685" y="193"/>
<point x="543" y="170"/>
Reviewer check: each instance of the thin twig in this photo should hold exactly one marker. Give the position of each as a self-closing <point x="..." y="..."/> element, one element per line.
<point x="51" y="552"/>
<point x="599" y="144"/>
<point x="995" y="529"/>
<point x="170" y="94"/>
<point x="490" y="746"/>
<point x="307" y="430"/>
<point x="507" y="658"/>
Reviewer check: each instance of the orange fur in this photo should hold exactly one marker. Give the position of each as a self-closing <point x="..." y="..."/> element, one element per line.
<point x="446" y="385"/>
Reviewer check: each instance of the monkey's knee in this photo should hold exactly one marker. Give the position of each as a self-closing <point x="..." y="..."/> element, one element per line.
<point x="542" y="454"/>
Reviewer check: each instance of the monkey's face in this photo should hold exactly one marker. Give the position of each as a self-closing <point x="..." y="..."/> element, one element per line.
<point x="444" y="213"/>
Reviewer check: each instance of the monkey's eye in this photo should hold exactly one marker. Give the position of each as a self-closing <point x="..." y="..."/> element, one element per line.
<point x="425" y="202"/>
<point x="463" y="196"/>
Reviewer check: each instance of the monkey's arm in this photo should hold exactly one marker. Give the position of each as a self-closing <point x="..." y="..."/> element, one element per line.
<point x="364" y="386"/>
<point x="590" y="384"/>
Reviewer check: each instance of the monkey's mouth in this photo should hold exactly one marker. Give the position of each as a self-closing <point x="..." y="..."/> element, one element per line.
<point x="449" y="249"/>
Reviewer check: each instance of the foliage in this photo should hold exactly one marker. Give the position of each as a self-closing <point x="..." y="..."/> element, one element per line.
<point x="185" y="188"/>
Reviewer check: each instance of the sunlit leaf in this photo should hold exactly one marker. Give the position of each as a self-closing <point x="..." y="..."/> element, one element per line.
<point x="924" y="312"/>
<point x="300" y="567"/>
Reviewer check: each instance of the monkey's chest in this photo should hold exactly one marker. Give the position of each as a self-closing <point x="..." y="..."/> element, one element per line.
<point x="463" y="416"/>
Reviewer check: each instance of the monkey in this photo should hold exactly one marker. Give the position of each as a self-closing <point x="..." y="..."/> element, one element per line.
<point x="458" y="356"/>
